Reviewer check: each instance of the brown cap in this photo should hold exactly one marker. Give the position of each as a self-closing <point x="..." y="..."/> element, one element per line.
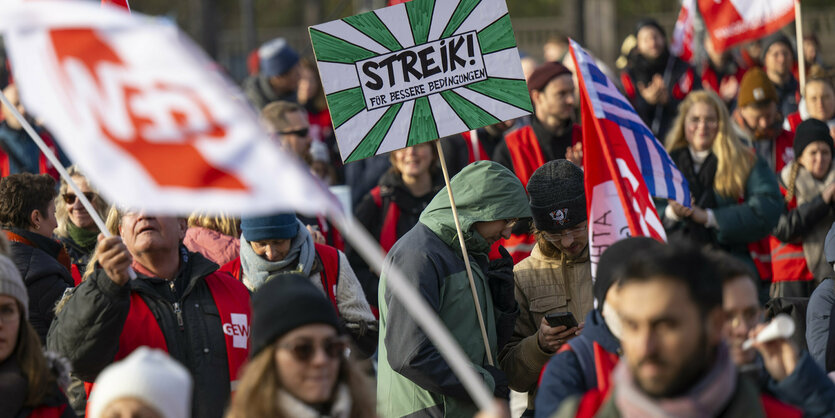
<point x="756" y="88"/>
<point x="544" y="73"/>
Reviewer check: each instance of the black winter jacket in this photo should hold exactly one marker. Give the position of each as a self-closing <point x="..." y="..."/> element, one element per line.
<point x="87" y="328"/>
<point x="46" y="279"/>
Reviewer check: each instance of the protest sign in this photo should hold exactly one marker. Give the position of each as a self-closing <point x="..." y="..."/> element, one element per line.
<point x="417" y="71"/>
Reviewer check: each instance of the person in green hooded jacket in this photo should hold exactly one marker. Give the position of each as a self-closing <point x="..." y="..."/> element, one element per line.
<point x="413" y="379"/>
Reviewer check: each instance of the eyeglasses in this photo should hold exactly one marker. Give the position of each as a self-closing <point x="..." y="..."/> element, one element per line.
<point x="572" y="232"/>
<point x="510" y="223"/>
<point x="297" y="132"/>
<point x="304" y="350"/>
<point x="9" y="314"/>
<point x="69" y="198"/>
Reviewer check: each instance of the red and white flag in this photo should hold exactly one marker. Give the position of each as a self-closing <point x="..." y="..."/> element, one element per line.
<point x="625" y="165"/>
<point x="731" y="22"/>
<point x="136" y="105"/>
<point x="682" y="44"/>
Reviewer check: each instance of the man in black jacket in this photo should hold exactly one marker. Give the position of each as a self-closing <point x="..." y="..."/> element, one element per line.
<point x="27" y="214"/>
<point x="178" y="303"/>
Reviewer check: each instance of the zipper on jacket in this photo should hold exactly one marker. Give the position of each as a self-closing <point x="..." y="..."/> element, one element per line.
<point x="179" y="313"/>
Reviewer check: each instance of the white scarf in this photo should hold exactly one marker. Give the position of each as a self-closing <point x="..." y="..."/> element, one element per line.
<point x="293" y="407"/>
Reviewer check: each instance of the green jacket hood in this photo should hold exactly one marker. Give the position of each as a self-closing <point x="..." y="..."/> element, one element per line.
<point x="484" y="191"/>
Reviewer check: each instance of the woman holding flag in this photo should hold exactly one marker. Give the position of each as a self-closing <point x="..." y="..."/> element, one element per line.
<point x="736" y="200"/>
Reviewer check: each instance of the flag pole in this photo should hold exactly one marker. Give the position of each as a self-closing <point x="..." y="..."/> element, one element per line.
<point x="418" y="309"/>
<point x="464" y="253"/>
<point x="61" y="170"/>
<point x="801" y="58"/>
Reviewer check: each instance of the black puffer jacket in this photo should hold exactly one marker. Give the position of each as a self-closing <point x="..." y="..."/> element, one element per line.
<point x="46" y="279"/>
<point x="88" y="326"/>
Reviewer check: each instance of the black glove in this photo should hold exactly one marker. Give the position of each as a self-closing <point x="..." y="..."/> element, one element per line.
<point x="501" y="390"/>
<point x="500" y="279"/>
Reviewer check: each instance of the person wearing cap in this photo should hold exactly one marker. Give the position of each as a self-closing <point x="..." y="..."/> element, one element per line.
<point x="808" y="185"/>
<point x="555" y="278"/>
<point x="654" y="80"/>
<point x="551" y="135"/>
<point x="29" y="382"/>
<point x="27" y="216"/>
<point x="574" y="370"/>
<point x="734" y="196"/>
<point x="274" y="246"/>
<point x="278" y="74"/>
<point x="179" y="303"/>
<point x="757" y="120"/>
<point x="148" y="384"/>
<point x="412" y="376"/>
<point x="778" y="63"/>
<point x="298" y="365"/>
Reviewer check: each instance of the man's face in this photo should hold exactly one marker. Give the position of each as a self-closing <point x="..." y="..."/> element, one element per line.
<point x="493" y="231"/>
<point x="742" y="314"/>
<point x="287" y="82"/>
<point x="666" y="340"/>
<point x="650" y="42"/>
<point x="296" y="135"/>
<point x="571" y="241"/>
<point x="556" y="100"/>
<point x="143" y="233"/>
<point x="759" y="119"/>
<point x="778" y="60"/>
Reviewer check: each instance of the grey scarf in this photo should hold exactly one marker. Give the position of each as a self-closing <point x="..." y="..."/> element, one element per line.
<point x="257" y="270"/>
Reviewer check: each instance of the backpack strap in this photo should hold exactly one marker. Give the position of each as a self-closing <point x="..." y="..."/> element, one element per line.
<point x="330" y="271"/>
<point x="584" y="350"/>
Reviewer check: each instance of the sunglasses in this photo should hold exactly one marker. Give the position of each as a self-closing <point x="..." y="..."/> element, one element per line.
<point x="69" y="198"/>
<point x="298" y="132"/>
<point x="304" y="350"/>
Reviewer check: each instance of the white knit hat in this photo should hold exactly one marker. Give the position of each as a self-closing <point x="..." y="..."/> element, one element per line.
<point x="11" y="283"/>
<point x="149" y="375"/>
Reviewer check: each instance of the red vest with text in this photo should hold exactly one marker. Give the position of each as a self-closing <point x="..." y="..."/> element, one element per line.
<point x="788" y="264"/>
<point x="329" y="275"/>
<point x="783" y="151"/>
<point x="232" y="301"/>
<point x="527" y="156"/>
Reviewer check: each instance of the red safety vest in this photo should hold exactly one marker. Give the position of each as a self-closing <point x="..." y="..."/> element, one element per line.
<point x="788" y="264"/>
<point x="388" y="233"/>
<point x="711" y="80"/>
<point x="329" y="275"/>
<point x="527" y="156"/>
<point x="475" y="150"/>
<point x="783" y="151"/>
<point x="232" y="301"/>
<point x="794" y="120"/>
<point x="604" y="363"/>
<point x="48" y="411"/>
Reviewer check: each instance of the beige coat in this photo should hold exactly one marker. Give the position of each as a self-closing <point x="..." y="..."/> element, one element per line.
<point x="543" y="286"/>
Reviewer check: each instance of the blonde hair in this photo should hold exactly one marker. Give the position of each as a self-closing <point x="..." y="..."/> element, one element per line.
<point x="222" y="223"/>
<point x="735" y="160"/>
<point x="260" y="382"/>
<point x="62" y="214"/>
<point x="114" y="219"/>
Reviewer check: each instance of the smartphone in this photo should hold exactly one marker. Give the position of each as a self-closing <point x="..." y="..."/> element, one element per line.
<point x="561" y="318"/>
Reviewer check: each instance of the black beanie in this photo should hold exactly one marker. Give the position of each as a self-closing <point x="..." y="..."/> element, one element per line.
<point x="613" y="259"/>
<point x="557" y="196"/>
<point x="811" y="130"/>
<point x="285" y="303"/>
<point x="775" y="38"/>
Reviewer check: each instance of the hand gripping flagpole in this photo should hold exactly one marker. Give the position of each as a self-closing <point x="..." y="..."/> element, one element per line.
<point x="465" y="254"/>
<point x="61" y="170"/>
<point x="419" y="310"/>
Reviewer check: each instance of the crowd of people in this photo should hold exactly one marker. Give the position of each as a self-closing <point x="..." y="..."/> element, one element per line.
<point x="217" y="315"/>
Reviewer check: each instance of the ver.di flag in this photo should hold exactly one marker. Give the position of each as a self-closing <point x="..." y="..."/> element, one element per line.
<point x="731" y="22"/>
<point x="625" y="165"/>
<point x="417" y="71"/>
<point x="136" y="105"/>
<point x="683" y="32"/>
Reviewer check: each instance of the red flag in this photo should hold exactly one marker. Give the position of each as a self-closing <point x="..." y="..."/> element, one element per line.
<point x="120" y="3"/>
<point x="682" y="45"/>
<point x="732" y="22"/>
<point x="393" y="2"/>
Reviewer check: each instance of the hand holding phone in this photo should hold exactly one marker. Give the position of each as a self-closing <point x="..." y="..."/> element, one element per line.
<point x="565" y="319"/>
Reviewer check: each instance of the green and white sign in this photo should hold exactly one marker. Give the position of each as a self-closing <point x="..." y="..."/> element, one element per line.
<point x="417" y="71"/>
